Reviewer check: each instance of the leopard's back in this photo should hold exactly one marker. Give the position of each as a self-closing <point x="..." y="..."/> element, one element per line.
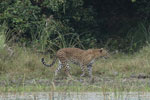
<point x="79" y="56"/>
<point x="73" y="55"/>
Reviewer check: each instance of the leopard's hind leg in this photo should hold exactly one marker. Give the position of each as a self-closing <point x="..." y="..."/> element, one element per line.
<point x="64" y="64"/>
<point x="58" y="68"/>
<point x="67" y="70"/>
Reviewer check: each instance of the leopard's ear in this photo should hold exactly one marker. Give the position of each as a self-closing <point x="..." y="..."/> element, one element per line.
<point x="101" y="50"/>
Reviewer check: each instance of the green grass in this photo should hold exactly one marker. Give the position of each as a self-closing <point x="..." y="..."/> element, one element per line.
<point x="24" y="72"/>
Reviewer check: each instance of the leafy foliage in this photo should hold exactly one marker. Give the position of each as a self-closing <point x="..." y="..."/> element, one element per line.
<point x="103" y="23"/>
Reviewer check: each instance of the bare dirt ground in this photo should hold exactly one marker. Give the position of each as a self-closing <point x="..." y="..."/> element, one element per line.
<point x="132" y="83"/>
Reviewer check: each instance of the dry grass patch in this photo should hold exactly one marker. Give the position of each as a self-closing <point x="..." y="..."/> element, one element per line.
<point x="121" y="72"/>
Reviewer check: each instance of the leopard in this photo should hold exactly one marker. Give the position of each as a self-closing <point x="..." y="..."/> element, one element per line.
<point x="83" y="58"/>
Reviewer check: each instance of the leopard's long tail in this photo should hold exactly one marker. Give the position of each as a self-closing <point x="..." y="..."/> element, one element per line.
<point x="49" y="65"/>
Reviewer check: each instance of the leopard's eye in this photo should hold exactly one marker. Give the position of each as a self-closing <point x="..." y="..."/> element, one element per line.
<point x="101" y="50"/>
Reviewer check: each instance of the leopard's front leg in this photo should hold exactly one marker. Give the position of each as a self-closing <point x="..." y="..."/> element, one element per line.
<point x="83" y="70"/>
<point x="89" y="67"/>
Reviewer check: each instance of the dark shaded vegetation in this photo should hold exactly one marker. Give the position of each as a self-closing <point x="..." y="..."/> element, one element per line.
<point x="52" y="24"/>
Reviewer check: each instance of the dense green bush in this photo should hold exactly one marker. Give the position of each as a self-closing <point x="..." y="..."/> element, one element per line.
<point x="54" y="24"/>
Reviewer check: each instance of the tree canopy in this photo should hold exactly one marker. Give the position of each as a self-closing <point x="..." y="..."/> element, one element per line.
<point x="114" y="24"/>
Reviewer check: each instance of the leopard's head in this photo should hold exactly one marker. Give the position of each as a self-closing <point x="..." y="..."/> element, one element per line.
<point x="104" y="53"/>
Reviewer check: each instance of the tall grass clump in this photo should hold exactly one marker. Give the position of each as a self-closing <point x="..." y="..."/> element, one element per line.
<point x="3" y="46"/>
<point x="136" y="37"/>
<point x="3" y="31"/>
<point x="53" y="35"/>
<point x="139" y="36"/>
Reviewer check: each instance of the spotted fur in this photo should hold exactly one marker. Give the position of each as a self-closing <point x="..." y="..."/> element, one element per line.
<point x="78" y="56"/>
